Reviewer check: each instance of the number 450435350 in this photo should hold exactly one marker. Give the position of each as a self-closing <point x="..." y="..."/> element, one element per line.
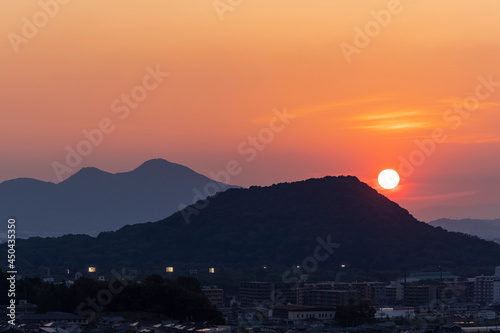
<point x="11" y="243"/>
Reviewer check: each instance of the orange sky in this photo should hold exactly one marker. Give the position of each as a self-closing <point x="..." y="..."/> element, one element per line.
<point x="227" y="75"/>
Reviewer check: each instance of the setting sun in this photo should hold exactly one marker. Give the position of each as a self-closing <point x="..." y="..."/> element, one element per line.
<point x="388" y="179"/>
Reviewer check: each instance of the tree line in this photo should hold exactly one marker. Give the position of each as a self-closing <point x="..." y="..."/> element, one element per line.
<point x="180" y="299"/>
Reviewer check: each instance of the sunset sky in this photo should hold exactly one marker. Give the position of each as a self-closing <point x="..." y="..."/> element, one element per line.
<point x="409" y="69"/>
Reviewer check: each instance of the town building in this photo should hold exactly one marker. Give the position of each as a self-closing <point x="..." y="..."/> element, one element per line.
<point x="394" y="292"/>
<point x="258" y="292"/>
<point x="299" y="314"/>
<point x="416" y="294"/>
<point x="332" y="294"/>
<point x="391" y="313"/>
<point x="487" y="288"/>
<point x="215" y="295"/>
<point x="420" y="276"/>
<point x="52" y="317"/>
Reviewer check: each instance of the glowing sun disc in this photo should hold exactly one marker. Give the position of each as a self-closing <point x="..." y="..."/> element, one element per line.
<point x="388" y="179"/>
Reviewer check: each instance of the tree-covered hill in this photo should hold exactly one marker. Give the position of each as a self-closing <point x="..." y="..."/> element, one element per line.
<point x="241" y="230"/>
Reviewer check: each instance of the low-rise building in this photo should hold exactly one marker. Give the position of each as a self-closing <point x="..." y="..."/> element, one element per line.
<point x="52" y="317"/>
<point x="485" y="314"/>
<point x="297" y="314"/>
<point x="404" y="312"/>
<point x="24" y="307"/>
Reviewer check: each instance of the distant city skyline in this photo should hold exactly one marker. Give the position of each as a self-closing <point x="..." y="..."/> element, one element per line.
<point x="288" y="90"/>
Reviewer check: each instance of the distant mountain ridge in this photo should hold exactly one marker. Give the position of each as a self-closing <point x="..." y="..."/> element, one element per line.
<point x="485" y="229"/>
<point x="484" y="211"/>
<point x="280" y="226"/>
<point x="93" y="200"/>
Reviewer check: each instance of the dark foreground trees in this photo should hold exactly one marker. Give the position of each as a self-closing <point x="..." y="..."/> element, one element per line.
<point x="180" y="299"/>
<point x="354" y="314"/>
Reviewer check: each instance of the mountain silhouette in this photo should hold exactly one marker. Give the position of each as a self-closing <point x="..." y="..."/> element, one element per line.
<point x="485" y="229"/>
<point x="280" y="226"/>
<point x="93" y="200"/>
